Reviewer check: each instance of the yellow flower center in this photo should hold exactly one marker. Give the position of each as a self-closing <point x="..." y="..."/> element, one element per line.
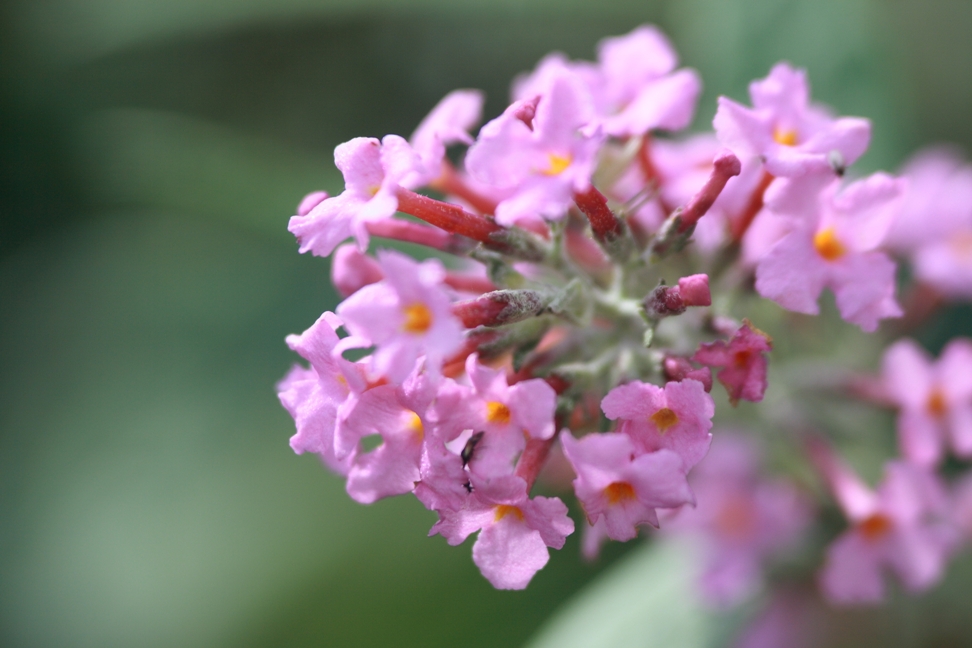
<point x="497" y="413"/>
<point x="785" y="136"/>
<point x="418" y="318"/>
<point x="664" y="419"/>
<point x="502" y="510"/>
<point x="414" y="425"/>
<point x="558" y="164"/>
<point x="875" y="526"/>
<point x="618" y="492"/>
<point x="827" y="244"/>
<point x="936" y="405"/>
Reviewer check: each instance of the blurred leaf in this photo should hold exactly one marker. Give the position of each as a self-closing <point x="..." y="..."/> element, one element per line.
<point x="143" y="158"/>
<point x="74" y="30"/>
<point x="646" y="599"/>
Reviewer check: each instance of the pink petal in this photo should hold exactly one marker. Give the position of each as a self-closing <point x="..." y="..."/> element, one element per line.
<point x="509" y="553"/>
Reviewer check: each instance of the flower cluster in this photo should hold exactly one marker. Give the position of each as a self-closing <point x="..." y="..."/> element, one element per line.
<point x="588" y="284"/>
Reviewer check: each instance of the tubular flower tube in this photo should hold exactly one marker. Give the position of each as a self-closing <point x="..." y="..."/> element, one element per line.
<point x="542" y="350"/>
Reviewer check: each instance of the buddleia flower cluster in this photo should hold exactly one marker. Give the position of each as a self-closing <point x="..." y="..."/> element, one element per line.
<point x="593" y="275"/>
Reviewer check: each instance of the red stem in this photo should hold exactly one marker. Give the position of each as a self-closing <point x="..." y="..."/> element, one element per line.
<point x="403" y="230"/>
<point x="742" y="222"/>
<point x="451" y="183"/>
<point x="533" y="459"/>
<point x="451" y="218"/>
<point x="725" y="166"/>
<point x="651" y="171"/>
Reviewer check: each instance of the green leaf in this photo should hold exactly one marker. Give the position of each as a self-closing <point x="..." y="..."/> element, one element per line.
<point x="646" y="599"/>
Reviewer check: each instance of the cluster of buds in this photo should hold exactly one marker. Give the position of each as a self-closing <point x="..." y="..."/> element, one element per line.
<point x="573" y="320"/>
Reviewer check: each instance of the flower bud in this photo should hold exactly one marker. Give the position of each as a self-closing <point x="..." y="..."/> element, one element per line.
<point x="351" y="270"/>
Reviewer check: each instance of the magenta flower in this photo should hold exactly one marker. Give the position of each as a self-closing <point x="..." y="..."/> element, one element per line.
<point x="743" y="360"/>
<point x="372" y="171"/>
<point x="537" y="151"/>
<point x="448" y="123"/>
<point x="742" y="519"/>
<point x="515" y="530"/>
<point x="677" y="417"/>
<point x="790" y="135"/>
<point x="934" y="399"/>
<point x="835" y="246"/>
<point x="407" y="315"/>
<point x="319" y="397"/>
<point x="622" y="487"/>
<point x="900" y="528"/>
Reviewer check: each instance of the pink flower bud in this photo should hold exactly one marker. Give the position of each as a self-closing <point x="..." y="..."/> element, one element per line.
<point x="694" y="290"/>
<point x="311" y="201"/>
<point x="664" y="301"/>
<point x="351" y="270"/>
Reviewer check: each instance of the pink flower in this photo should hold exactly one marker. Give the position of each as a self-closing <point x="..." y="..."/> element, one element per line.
<point x="677" y="417"/>
<point x="625" y="488"/>
<point x="901" y="527"/>
<point x="508" y="415"/>
<point x="515" y="530"/>
<point x="790" y="135"/>
<point x="538" y="152"/>
<point x="834" y="245"/>
<point x="934" y="399"/>
<point x="448" y="123"/>
<point x="665" y="301"/>
<point x="399" y="415"/>
<point x="934" y="226"/>
<point x="638" y="90"/>
<point x="407" y="315"/>
<point x="372" y="171"/>
<point x="742" y="519"/>
<point x="744" y="362"/>
<point x="319" y="397"/>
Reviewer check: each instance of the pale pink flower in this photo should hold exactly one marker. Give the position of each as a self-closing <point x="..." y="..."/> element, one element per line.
<point x="515" y="530"/>
<point x="934" y="399"/>
<point x="406" y="315"/>
<point x="372" y="172"/>
<point x="789" y="134"/>
<point x="449" y="123"/>
<point x="901" y="527"/>
<point x="538" y="152"/>
<point x="399" y="415"/>
<point x="743" y="361"/>
<point x="508" y="415"/>
<point x="319" y="397"/>
<point x="742" y="519"/>
<point x="623" y="487"/>
<point x="834" y="245"/>
<point x="639" y="89"/>
<point x="677" y="417"/>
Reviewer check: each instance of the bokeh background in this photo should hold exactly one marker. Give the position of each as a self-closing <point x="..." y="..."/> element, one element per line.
<point x="150" y="156"/>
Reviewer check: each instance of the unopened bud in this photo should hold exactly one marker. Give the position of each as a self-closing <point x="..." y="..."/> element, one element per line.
<point x="500" y="307"/>
<point x="311" y="201"/>
<point x="678" y="369"/>
<point x="665" y="301"/>
<point x="352" y="270"/>
<point x="695" y="290"/>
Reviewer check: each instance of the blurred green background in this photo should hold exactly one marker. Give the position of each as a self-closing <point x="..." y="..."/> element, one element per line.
<point x="150" y="156"/>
